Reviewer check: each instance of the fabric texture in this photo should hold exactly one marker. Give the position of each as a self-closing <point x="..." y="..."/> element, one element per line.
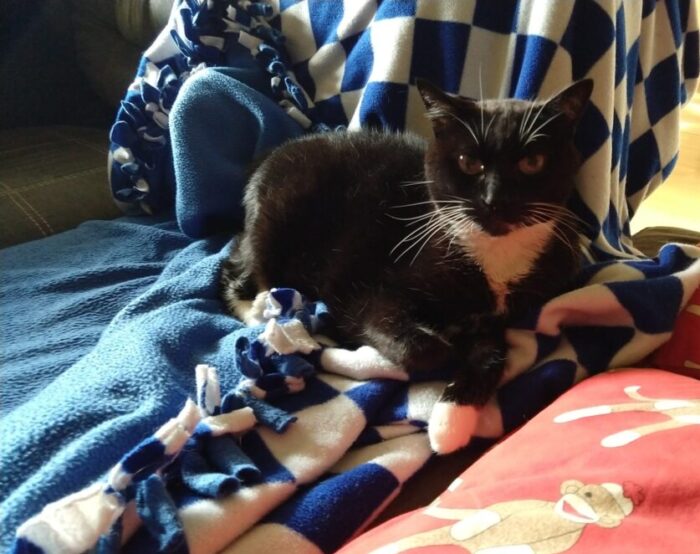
<point x="87" y="414"/>
<point x="213" y="160"/>
<point x="50" y="181"/>
<point x="236" y="35"/>
<point x="612" y="472"/>
<point x="357" y="64"/>
<point x="313" y="482"/>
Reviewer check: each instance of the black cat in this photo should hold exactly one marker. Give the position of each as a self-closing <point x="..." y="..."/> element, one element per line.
<point x="422" y="251"/>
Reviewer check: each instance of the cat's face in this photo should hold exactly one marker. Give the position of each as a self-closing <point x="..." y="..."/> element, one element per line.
<point x="507" y="163"/>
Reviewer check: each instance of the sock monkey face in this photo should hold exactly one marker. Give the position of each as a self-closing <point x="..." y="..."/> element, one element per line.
<point x="522" y="524"/>
<point x="604" y="505"/>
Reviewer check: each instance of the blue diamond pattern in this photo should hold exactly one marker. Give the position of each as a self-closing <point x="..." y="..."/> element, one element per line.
<point x="360" y="59"/>
<point x="643" y="162"/>
<point x="533" y="55"/>
<point x="500" y="16"/>
<point x="589" y="35"/>
<point x="592" y="132"/>
<point x="661" y="98"/>
<point x="441" y="48"/>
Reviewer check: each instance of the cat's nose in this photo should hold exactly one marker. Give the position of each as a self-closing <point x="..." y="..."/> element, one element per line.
<point x="489" y="196"/>
<point x="489" y="201"/>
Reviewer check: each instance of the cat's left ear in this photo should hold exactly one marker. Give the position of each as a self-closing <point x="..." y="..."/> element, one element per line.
<point x="573" y="100"/>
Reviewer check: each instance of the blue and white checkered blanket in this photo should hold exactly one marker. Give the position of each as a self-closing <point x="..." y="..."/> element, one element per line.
<point x="330" y="450"/>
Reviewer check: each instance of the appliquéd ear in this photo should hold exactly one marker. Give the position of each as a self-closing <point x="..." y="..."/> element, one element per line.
<point x="572" y="101"/>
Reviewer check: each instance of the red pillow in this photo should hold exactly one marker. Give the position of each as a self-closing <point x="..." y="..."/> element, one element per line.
<point x="682" y="352"/>
<point x="611" y="466"/>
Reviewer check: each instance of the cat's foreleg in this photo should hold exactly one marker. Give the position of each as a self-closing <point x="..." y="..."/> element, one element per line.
<point x="455" y="416"/>
<point x="239" y="290"/>
<point x="368" y="362"/>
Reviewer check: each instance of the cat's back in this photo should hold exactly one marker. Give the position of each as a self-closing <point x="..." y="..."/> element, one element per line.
<point x="321" y="210"/>
<point x="374" y="148"/>
<point x="349" y="164"/>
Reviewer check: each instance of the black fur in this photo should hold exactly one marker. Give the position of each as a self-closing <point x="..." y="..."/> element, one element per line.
<point x="325" y="213"/>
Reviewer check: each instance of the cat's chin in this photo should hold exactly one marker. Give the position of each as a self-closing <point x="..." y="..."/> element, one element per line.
<point x="500" y="231"/>
<point x="498" y="227"/>
<point x="487" y="224"/>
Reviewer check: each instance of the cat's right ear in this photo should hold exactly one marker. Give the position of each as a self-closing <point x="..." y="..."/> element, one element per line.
<point x="443" y="109"/>
<point x="438" y="104"/>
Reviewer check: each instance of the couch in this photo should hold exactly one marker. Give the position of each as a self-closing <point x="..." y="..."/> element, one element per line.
<point x="66" y="65"/>
<point x="54" y="157"/>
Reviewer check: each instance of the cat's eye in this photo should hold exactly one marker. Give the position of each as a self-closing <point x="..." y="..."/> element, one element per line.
<point x="531" y="164"/>
<point x="470" y="166"/>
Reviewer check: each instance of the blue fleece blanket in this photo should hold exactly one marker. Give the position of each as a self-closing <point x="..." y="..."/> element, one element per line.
<point x="112" y="327"/>
<point x="93" y="404"/>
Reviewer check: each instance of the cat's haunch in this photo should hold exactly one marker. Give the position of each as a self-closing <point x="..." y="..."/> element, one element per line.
<point x="422" y="250"/>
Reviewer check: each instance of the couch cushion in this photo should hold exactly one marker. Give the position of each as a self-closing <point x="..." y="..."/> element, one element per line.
<point x="650" y="239"/>
<point x="51" y="179"/>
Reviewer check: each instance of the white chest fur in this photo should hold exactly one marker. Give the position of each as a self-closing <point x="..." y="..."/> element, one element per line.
<point x="506" y="259"/>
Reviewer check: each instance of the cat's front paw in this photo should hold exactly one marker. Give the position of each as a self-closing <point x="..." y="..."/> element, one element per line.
<point x="451" y="426"/>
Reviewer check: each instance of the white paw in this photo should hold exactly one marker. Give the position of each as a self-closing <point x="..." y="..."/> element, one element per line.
<point x="451" y="426"/>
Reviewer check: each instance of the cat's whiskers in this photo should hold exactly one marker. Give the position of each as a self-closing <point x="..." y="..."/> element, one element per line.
<point x="459" y="198"/>
<point x="446" y="220"/>
<point x="468" y="127"/>
<point x="484" y="131"/>
<point x="426" y="225"/>
<point x="414" y="183"/>
<point x="424" y="202"/>
<point x="450" y="212"/>
<point x="532" y="122"/>
<point x="462" y="226"/>
<point x="464" y="203"/>
<point x="557" y="233"/>
<point x="488" y="127"/>
<point x="534" y="135"/>
<point x="420" y="236"/>
<point x="416" y="219"/>
<point x="481" y="102"/>
<point x="527" y="123"/>
<point x="563" y="210"/>
<point x="525" y="120"/>
<point x="413" y="219"/>
<point x="557" y="217"/>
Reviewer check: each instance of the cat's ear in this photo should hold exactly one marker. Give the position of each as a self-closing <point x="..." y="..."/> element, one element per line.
<point x="436" y="101"/>
<point x="440" y="106"/>
<point x="572" y="101"/>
